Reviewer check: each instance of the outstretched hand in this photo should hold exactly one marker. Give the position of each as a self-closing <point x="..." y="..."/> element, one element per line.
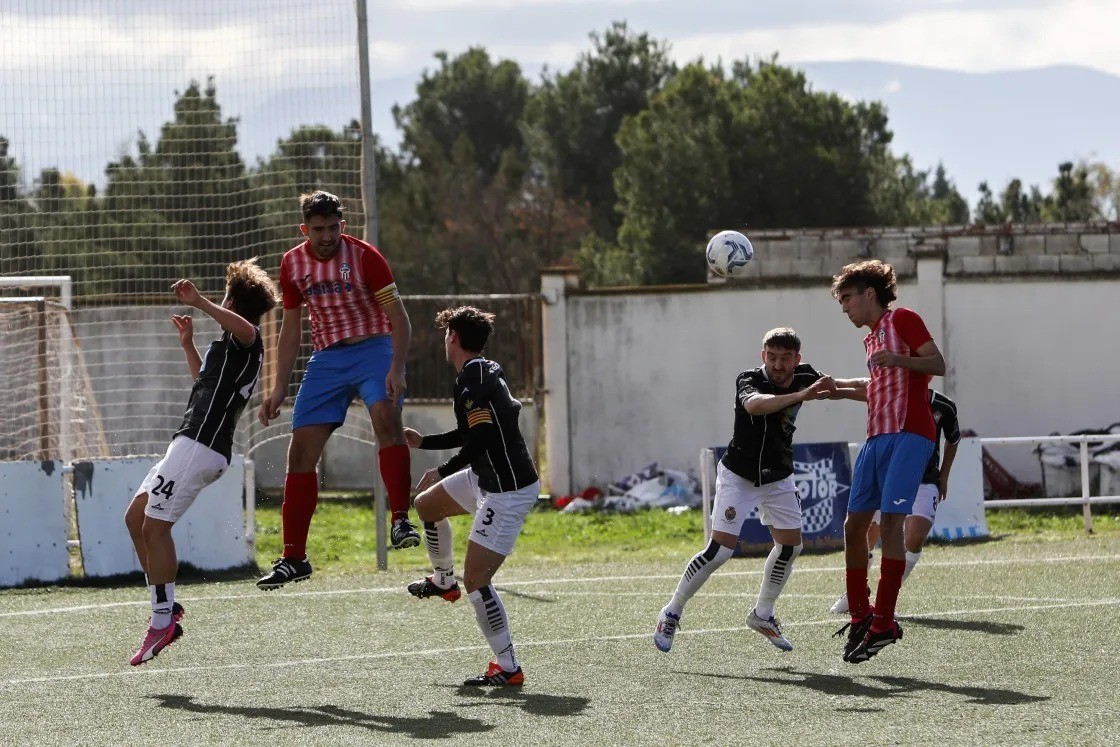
<point x="413" y="438"/>
<point x="185" y="325"/>
<point x="822" y="388"/>
<point x="186" y="292"/>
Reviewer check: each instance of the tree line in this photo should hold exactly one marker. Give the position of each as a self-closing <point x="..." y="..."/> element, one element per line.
<point x="621" y="164"/>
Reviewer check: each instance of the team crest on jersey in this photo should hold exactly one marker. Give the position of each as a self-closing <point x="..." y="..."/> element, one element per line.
<point x="345" y="268"/>
<point x="469" y="404"/>
<point x="729" y="514"/>
<point x="882" y="335"/>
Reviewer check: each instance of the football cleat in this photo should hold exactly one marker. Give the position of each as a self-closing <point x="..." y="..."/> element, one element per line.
<point x="156" y="640"/>
<point x="840" y="606"/>
<point x="403" y="535"/>
<point x="856" y="632"/>
<point x="177" y="612"/>
<point x="283" y="571"/>
<point x="873" y="643"/>
<point x="667" y="625"/>
<point x="425" y="588"/>
<point x="495" y="676"/>
<point x="771" y="629"/>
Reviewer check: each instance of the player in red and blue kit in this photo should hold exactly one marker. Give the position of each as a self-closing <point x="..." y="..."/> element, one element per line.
<point x="360" y="335"/>
<point x="901" y="358"/>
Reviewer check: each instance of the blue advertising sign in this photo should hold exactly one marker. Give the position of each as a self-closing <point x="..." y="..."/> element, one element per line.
<point x="823" y="475"/>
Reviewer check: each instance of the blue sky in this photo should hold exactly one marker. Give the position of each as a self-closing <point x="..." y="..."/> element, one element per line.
<point x="111" y="66"/>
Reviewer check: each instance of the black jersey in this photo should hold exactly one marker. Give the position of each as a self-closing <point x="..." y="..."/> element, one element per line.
<point x="224" y="384"/>
<point x="945" y="418"/>
<point x="761" y="448"/>
<point x="486" y="416"/>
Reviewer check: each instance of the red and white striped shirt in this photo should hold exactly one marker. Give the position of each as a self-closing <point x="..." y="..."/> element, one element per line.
<point x="897" y="398"/>
<point x="345" y="294"/>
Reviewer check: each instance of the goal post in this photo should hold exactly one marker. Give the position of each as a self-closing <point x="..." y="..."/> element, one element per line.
<point x="143" y="145"/>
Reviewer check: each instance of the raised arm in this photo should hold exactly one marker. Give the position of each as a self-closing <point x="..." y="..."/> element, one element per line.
<point x="185" y="325"/>
<point x="764" y="404"/>
<point x="242" y="330"/>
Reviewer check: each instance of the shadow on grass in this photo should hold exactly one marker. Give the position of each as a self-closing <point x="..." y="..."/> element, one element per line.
<point x="524" y="595"/>
<point x="880" y="686"/>
<point x="436" y="725"/>
<point x="971" y="626"/>
<point x="187" y="572"/>
<point x="536" y="704"/>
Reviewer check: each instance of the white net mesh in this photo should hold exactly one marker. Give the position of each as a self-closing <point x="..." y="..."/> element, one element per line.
<point x="144" y="142"/>
<point x="47" y="405"/>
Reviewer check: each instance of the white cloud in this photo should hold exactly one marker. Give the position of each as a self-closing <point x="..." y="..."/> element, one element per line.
<point x="1080" y="32"/>
<point x="893" y="86"/>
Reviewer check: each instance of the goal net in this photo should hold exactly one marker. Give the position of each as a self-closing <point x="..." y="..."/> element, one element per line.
<point x="141" y="143"/>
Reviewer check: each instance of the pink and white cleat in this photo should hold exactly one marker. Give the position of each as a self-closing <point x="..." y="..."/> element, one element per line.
<point x="156" y="640"/>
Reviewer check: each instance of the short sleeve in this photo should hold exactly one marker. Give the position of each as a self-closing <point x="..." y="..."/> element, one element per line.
<point x="948" y="422"/>
<point x="292" y="298"/>
<point x="911" y="328"/>
<point x="379" y="277"/>
<point x="746" y="386"/>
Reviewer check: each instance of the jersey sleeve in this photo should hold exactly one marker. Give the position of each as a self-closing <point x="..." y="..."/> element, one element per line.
<point x="948" y="423"/>
<point x="911" y="328"/>
<point x="379" y="277"/>
<point x="480" y="425"/>
<point x="746" y="386"/>
<point x="293" y="299"/>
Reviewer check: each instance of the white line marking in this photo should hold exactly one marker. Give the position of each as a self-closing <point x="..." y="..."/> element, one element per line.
<point x="280" y="595"/>
<point x="525" y="644"/>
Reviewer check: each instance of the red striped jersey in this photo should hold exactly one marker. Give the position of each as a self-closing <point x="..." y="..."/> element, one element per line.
<point x="346" y="295"/>
<point x="897" y="398"/>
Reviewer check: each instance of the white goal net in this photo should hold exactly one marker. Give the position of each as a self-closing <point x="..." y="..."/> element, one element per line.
<point x="143" y="142"/>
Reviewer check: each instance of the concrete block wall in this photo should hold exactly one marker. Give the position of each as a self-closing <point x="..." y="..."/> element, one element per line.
<point x="1075" y="249"/>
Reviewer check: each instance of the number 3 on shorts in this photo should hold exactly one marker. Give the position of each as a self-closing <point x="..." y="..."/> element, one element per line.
<point x="489" y="518"/>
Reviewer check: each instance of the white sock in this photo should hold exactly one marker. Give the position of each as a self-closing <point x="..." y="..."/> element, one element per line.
<point x="437" y="536"/>
<point x="870" y="559"/>
<point x="163" y="598"/>
<point x="492" y="620"/>
<point x="696" y="573"/>
<point x="778" y="568"/>
<point x="912" y="559"/>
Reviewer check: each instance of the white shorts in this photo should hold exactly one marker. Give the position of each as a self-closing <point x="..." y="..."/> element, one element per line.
<point x="925" y="502"/>
<point x="777" y="502"/>
<point x="497" y="516"/>
<point x="178" y="478"/>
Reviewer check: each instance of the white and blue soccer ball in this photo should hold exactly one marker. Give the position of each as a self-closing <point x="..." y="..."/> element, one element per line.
<point x="729" y="253"/>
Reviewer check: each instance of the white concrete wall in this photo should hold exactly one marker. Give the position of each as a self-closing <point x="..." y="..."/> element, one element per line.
<point x="652" y="374"/>
<point x="1030" y="357"/>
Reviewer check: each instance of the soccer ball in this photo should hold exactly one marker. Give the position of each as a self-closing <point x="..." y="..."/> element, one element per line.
<point x="729" y="252"/>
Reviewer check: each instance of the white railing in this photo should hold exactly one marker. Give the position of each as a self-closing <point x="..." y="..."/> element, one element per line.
<point x="1086" y="500"/>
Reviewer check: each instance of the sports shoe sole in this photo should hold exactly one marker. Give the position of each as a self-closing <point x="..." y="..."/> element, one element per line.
<point x="176" y="636"/>
<point x="780" y="641"/>
<point x="448" y="595"/>
<point x="279" y="584"/>
<point x="868" y="648"/>
<point x="405" y="543"/>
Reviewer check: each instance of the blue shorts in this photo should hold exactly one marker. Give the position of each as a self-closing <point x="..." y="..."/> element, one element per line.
<point x="888" y="470"/>
<point x="336" y="375"/>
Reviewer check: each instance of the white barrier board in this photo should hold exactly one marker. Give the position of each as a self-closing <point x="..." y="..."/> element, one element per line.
<point x="210" y="536"/>
<point x="32" y="523"/>
<point x="961" y="514"/>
